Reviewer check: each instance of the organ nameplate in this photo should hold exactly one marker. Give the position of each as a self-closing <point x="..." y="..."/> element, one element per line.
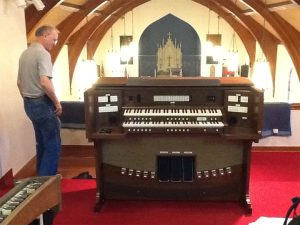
<point x="171" y="98"/>
<point x="107" y="98"/>
<point x="175" y="152"/>
<point x="108" y="108"/>
<point x="102" y="99"/>
<point x="237" y="108"/>
<point x="233" y="98"/>
<point x="232" y="108"/>
<point x="187" y="152"/>
<point x="242" y="109"/>
<point x="114" y="98"/>
<point x="244" y="99"/>
<point x="163" y="152"/>
<point x="201" y="118"/>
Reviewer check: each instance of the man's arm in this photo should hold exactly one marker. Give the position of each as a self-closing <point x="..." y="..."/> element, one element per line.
<point x="19" y="87"/>
<point x="49" y="90"/>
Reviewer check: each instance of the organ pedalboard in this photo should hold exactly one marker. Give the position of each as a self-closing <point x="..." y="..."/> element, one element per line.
<point x="173" y="138"/>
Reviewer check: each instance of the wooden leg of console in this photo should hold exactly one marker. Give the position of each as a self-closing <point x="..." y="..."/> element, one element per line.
<point x="99" y="202"/>
<point x="247" y="205"/>
<point x="247" y="162"/>
<point x="99" y="177"/>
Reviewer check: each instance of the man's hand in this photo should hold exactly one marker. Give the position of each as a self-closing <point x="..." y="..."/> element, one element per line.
<point x="49" y="90"/>
<point x="58" y="110"/>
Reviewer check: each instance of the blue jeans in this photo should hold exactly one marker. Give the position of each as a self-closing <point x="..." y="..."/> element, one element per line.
<point x="47" y="134"/>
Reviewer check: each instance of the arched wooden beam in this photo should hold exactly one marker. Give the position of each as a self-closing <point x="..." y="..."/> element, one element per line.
<point x="266" y="39"/>
<point x="97" y="36"/>
<point x="291" y="40"/>
<point x="296" y="1"/>
<point x="80" y="38"/>
<point x="286" y="32"/>
<point x="246" y="37"/>
<point x="33" y="16"/>
<point x="67" y="26"/>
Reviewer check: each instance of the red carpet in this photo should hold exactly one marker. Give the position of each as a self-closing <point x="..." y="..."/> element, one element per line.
<point x="275" y="179"/>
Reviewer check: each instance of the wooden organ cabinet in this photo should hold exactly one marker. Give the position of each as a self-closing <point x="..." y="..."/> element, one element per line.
<point x="173" y="138"/>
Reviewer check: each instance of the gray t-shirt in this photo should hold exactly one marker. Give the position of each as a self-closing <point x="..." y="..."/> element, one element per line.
<point x="34" y="62"/>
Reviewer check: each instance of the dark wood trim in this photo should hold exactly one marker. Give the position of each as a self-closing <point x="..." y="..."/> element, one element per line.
<point x="77" y="151"/>
<point x="272" y="6"/>
<point x="28" y="170"/>
<point x="295" y="106"/>
<point x="67" y="26"/>
<point x="296" y="1"/>
<point x="276" y="148"/>
<point x="32" y="16"/>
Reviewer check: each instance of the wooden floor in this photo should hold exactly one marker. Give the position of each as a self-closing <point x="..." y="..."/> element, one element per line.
<point x="75" y="160"/>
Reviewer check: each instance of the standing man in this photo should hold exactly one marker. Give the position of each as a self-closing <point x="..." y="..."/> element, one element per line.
<point x="40" y="101"/>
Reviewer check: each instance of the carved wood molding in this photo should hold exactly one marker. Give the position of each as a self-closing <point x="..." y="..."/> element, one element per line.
<point x="287" y="33"/>
<point x="32" y="16"/>
<point x="295" y="106"/>
<point x="266" y="39"/>
<point x="67" y="26"/>
<point x="81" y="37"/>
<point x="97" y="36"/>
<point x="296" y="1"/>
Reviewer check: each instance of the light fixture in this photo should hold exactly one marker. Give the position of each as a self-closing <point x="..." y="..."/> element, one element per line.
<point x="112" y="59"/>
<point x="86" y="77"/>
<point x="38" y="4"/>
<point x="215" y="39"/>
<point x="233" y="57"/>
<point x="262" y="77"/>
<point x="214" y="50"/>
<point x="21" y="3"/>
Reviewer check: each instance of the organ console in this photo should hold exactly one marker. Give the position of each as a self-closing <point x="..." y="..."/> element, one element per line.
<point x="173" y="138"/>
<point x="29" y="198"/>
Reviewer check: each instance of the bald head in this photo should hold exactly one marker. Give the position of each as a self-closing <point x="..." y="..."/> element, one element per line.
<point x="47" y="36"/>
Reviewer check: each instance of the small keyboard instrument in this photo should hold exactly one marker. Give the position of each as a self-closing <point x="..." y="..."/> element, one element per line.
<point x="30" y="198"/>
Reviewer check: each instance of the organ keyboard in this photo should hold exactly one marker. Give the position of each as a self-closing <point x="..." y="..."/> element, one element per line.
<point x="172" y="112"/>
<point x="147" y="120"/>
<point x="173" y="139"/>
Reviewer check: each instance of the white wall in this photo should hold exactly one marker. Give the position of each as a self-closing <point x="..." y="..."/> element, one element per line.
<point x="16" y="133"/>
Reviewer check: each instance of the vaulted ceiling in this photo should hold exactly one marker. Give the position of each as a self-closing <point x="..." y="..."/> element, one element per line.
<point x="269" y="22"/>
